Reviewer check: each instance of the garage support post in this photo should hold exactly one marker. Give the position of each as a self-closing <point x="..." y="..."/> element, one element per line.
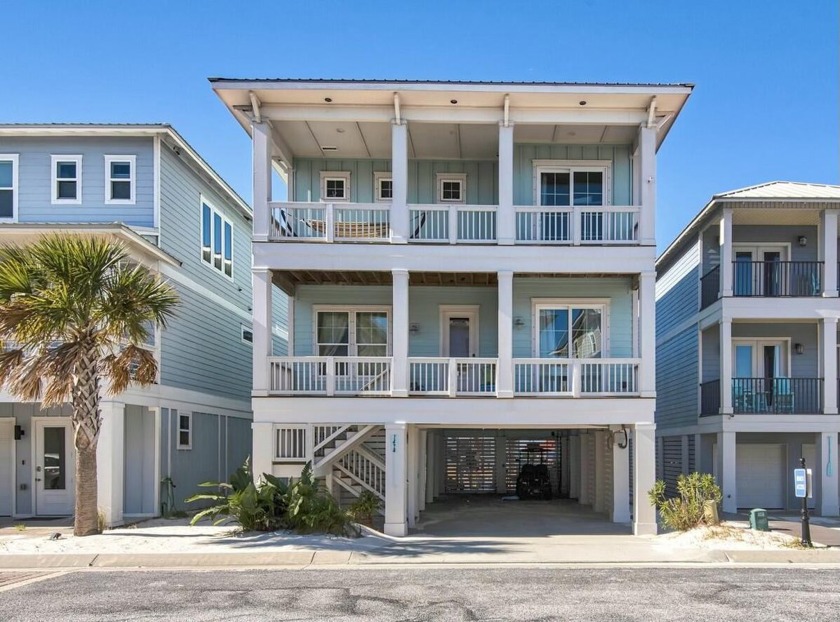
<point x="413" y="456"/>
<point x="574" y="467"/>
<point x="500" y="474"/>
<point x="620" y="512"/>
<point x="110" y="462"/>
<point x="425" y="464"/>
<point x="725" y="470"/>
<point x="583" y="495"/>
<point x="396" y="496"/>
<point x="827" y="474"/>
<point x="564" y="466"/>
<point x="644" y="514"/>
<point x="600" y="456"/>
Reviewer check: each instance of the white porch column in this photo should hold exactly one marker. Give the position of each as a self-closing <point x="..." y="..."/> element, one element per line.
<point x="423" y="463"/>
<point x="574" y="467"/>
<point x="399" y="313"/>
<point x="620" y="512"/>
<point x="726" y="366"/>
<point x="261" y="162"/>
<point x="261" y="327"/>
<point x="504" y="388"/>
<point x="396" y="490"/>
<point x="399" y="181"/>
<point x="585" y="448"/>
<point x="500" y="475"/>
<point x="110" y="462"/>
<point x="725" y="236"/>
<point x="647" y="334"/>
<point x="647" y="192"/>
<point x="506" y="218"/>
<point x="644" y="476"/>
<point x="599" y="502"/>
<point x="413" y="477"/>
<point x="826" y="471"/>
<point x="263" y="447"/>
<point x="828" y="360"/>
<point x="430" y="466"/>
<point x="828" y="251"/>
<point x="725" y="470"/>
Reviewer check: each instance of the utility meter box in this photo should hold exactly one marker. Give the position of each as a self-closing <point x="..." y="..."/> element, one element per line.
<point x="758" y="520"/>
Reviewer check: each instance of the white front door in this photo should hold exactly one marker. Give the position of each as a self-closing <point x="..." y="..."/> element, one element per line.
<point x="54" y="467"/>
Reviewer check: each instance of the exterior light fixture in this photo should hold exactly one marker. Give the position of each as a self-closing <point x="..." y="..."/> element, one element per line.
<point x="799" y="348"/>
<point x="803" y="241"/>
<point x="414" y="328"/>
<point x="328" y="100"/>
<point x="582" y="102"/>
<point x="453" y="101"/>
<point x="518" y="322"/>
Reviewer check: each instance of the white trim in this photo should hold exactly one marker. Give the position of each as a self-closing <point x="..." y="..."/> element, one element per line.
<point x="132" y="160"/>
<point x="352" y="310"/>
<point x="243" y="328"/>
<point x="756" y="248"/>
<point x="378" y="178"/>
<point x="573" y="166"/>
<point x="178" y="276"/>
<point x="335" y="176"/>
<point x="445" y="312"/>
<point x="70" y="481"/>
<point x="178" y="430"/>
<point x="460" y="178"/>
<point x="12" y="422"/>
<point x="757" y="343"/>
<point x="156" y="183"/>
<point x="165" y="396"/>
<point x="225" y="223"/>
<point x="14" y="159"/>
<point x="577" y="303"/>
<point x="54" y="179"/>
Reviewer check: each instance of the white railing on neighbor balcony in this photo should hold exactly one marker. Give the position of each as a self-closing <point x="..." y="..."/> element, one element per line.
<point x="452" y="376"/>
<point x="331" y="222"/>
<point x="577" y="225"/>
<point x="329" y="375"/>
<point x="576" y="377"/>
<point x="452" y="224"/>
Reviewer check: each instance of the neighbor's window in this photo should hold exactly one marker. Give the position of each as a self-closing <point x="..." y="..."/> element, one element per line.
<point x="216" y="239"/>
<point x="247" y="334"/>
<point x="120" y="178"/>
<point x="384" y="186"/>
<point x="451" y="188"/>
<point x="184" y="429"/>
<point x="66" y="179"/>
<point x="8" y="186"/>
<point x="335" y="186"/>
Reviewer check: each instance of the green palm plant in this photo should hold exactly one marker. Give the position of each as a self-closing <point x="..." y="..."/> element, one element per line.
<point x="75" y="311"/>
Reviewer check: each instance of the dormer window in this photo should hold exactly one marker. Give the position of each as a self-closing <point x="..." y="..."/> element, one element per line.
<point x="335" y="186"/>
<point x="383" y="185"/>
<point x="66" y="179"/>
<point x="452" y="188"/>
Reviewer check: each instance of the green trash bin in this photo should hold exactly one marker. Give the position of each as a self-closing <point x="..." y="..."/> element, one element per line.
<point x="758" y="520"/>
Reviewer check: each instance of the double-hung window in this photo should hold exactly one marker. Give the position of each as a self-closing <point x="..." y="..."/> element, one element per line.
<point x="216" y="239"/>
<point x="120" y="182"/>
<point x="561" y="184"/>
<point x="66" y="179"/>
<point x="8" y="187"/>
<point x="184" y="429"/>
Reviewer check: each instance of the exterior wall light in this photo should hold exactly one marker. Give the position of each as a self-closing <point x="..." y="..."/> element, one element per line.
<point x="803" y="241"/>
<point x="414" y="328"/>
<point x="518" y="322"/>
<point x="799" y="348"/>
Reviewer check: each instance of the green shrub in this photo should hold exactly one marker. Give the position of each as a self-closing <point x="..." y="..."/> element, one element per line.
<point x="686" y="511"/>
<point x="311" y="508"/>
<point x="363" y="508"/>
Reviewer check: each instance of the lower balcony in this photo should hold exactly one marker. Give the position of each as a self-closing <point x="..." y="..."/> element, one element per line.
<point x="452" y="377"/>
<point x="765" y="396"/>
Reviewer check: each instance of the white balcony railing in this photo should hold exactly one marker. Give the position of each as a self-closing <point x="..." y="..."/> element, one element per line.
<point x="452" y="376"/>
<point x="331" y="222"/>
<point x="577" y="225"/>
<point x="576" y="377"/>
<point x="452" y="224"/>
<point x="328" y="375"/>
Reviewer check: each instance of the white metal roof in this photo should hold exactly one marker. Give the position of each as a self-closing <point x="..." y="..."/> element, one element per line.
<point x="783" y="190"/>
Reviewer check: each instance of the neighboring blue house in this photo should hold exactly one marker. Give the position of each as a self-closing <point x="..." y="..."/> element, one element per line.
<point x="144" y="186"/>
<point x="746" y="345"/>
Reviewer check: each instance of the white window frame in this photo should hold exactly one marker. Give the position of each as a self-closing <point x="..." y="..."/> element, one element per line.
<point x="179" y="429"/>
<point x="14" y="159"/>
<point x="296" y="430"/>
<point x="335" y="175"/>
<point x="460" y="178"/>
<point x="242" y="330"/>
<point x="757" y="343"/>
<point x="445" y="312"/>
<point x="54" y="160"/>
<point x="225" y="221"/>
<point x="132" y="160"/>
<point x="378" y="178"/>
<point x="573" y="166"/>
<point x="756" y="249"/>
<point x="602" y="304"/>
<point x="352" y="346"/>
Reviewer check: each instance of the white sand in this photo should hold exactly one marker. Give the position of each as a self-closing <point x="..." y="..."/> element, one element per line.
<point x="729" y="536"/>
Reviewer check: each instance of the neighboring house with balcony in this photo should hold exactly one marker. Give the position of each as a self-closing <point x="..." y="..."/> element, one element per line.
<point x="470" y="268"/>
<point x="144" y="186"/>
<point x="747" y="308"/>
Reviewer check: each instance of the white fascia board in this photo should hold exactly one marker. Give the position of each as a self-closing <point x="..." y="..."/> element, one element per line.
<point x="782" y="424"/>
<point x="491" y="412"/>
<point x="755" y="308"/>
<point x="453" y="258"/>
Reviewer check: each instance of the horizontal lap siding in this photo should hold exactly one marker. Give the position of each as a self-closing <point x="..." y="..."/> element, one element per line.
<point x="677" y="380"/>
<point x="677" y="292"/>
<point x="35" y="179"/>
<point x="616" y="290"/>
<point x="202" y="349"/>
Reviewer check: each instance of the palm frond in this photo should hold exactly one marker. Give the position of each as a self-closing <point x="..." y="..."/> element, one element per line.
<point x="133" y="364"/>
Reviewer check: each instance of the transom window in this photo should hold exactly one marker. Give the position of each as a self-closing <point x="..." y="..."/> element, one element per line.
<point x="353" y="333"/>
<point x="66" y="179"/>
<point x="119" y="176"/>
<point x="564" y="184"/>
<point x="451" y="188"/>
<point x="8" y="186"/>
<point x="570" y="330"/>
<point x="335" y="186"/>
<point x="383" y="185"/>
<point x="216" y="240"/>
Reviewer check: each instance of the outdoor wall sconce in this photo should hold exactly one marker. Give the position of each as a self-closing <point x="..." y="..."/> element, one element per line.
<point x="19" y="432"/>
<point x="803" y="241"/>
<point x="414" y="328"/>
<point x="799" y="348"/>
<point x="518" y="322"/>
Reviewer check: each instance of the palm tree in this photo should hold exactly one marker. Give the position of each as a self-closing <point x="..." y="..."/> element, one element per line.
<point x="75" y="311"/>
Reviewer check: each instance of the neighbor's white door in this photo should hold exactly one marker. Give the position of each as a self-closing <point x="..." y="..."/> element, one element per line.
<point x="7" y="428"/>
<point x="760" y="475"/>
<point x="54" y="480"/>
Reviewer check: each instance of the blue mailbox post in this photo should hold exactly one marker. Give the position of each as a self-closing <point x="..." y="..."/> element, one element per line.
<point x="802" y="488"/>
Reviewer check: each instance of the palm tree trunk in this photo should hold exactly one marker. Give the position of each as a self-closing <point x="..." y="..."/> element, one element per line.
<point x="87" y="421"/>
<point x="87" y="504"/>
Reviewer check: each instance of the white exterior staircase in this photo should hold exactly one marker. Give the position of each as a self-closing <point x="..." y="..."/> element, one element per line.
<point x="339" y="454"/>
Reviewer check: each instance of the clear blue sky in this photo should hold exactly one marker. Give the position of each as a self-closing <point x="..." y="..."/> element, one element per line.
<point x="765" y="106"/>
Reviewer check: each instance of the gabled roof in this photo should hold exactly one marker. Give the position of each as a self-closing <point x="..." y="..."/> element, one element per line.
<point x="783" y="190"/>
<point x="131" y="129"/>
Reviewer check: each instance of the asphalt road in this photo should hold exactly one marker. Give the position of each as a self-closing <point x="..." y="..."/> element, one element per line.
<point x="740" y="593"/>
